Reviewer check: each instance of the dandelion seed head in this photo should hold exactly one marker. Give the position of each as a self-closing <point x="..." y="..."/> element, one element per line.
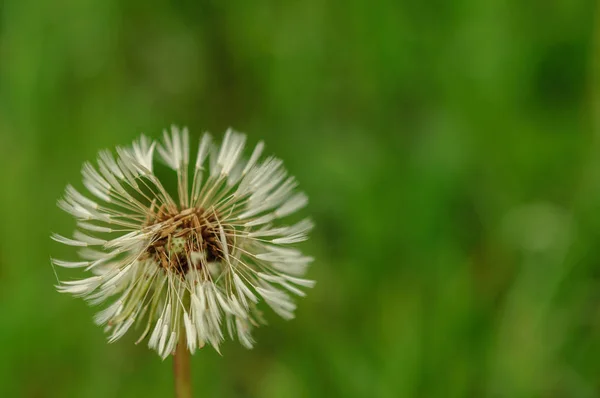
<point x="199" y="261"/>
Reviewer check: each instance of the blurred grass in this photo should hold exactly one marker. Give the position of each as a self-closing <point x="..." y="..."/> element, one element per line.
<point x="450" y="151"/>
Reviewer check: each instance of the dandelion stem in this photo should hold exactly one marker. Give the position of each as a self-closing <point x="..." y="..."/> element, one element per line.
<point x="181" y="369"/>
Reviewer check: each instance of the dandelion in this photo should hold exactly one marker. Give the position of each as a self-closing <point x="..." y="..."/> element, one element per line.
<point x="191" y="268"/>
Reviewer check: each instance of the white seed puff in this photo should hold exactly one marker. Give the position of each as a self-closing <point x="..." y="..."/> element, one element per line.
<point x="197" y="261"/>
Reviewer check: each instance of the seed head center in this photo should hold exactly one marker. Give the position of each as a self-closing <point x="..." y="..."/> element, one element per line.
<point x="185" y="240"/>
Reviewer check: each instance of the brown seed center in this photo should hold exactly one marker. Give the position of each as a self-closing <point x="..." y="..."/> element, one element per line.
<point x="181" y="234"/>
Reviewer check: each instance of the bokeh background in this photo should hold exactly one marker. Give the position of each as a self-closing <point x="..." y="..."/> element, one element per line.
<point x="451" y="151"/>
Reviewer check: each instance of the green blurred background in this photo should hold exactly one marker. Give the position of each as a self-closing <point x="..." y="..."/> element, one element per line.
<point x="451" y="151"/>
